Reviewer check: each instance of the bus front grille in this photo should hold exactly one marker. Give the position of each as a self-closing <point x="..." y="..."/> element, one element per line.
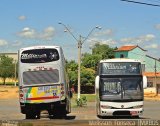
<point x="121" y="113"/>
<point x="40" y="77"/>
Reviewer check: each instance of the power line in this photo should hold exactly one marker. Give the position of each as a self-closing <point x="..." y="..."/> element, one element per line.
<point x="156" y="1"/>
<point x="131" y="1"/>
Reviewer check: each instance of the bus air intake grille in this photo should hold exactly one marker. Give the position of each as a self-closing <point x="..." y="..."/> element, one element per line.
<point x="121" y="113"/>
<point x="40" y="77"/>
<point x="121" y="108"/>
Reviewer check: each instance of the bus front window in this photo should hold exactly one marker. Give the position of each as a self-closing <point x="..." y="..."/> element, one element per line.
<point x="121" y="88"/>
<point x="112" y="87"/>
<point x="132" y="88"/>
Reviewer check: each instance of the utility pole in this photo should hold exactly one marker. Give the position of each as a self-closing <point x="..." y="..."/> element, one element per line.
<point x="155" y="76"/>
<point x="15" y="73"/>
<point x="80" y="43"/>
<point x="79" y="66"/>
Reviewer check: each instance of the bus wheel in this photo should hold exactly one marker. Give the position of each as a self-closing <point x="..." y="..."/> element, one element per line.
<point x="38" y="115"/>
<point x="30" y="116"/>
<point x="60" y="112"/>
<point x="100" y="117"/>
<point x="60" y="115"/>
<point x="136" y="117"/>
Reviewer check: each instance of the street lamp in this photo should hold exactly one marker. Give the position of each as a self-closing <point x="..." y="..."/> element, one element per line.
<point x="80" y="42"/>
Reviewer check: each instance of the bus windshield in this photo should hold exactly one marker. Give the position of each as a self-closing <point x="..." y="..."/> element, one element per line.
<point x="120" y="68"/>
<point x="39" y="56"/>
<point x="121" y="88"/>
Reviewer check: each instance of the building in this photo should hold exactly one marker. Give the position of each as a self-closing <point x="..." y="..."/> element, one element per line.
<point x="150" y="65"/>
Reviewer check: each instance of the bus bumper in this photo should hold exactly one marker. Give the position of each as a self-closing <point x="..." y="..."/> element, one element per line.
<point x="26" y="107"/>
<point x="120" y="109"/>
<point x="121" y="112"/>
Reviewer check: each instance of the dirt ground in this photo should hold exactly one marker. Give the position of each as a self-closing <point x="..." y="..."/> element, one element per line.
<point x="9" y="92"/>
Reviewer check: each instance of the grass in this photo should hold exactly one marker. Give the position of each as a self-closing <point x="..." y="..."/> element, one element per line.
<point x="90" y="98"/>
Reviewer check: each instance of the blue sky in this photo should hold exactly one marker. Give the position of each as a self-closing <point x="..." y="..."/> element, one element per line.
<point x="35" y="22"/>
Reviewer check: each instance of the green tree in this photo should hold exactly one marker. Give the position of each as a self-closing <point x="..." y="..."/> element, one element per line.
<point x="73" y="78"/>
<point x="87" y="76"/>
<point x="90" y="60"/>
<point x="103" y="50"/>
<point x="6" y="67"/>
<point x="71" y="65"/>
<point x="72" y="68"/>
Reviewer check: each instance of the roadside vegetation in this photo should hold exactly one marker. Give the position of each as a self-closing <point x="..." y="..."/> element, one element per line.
<point x="8" y="83"/>
<point x="7" y="69"/>
<point x="88" y="98"/>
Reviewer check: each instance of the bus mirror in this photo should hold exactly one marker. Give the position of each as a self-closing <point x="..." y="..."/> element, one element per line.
<point x="97" y="82"/>
<point x="144" y="82"/>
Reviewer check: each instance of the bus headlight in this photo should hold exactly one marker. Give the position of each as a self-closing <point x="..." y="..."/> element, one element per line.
<point x="105" y="107"/>
<point x="138" y="106"/>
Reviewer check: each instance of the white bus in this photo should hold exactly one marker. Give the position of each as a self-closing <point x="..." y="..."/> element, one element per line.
<point x="43" y="82"/>
<point x="119" y="88"/>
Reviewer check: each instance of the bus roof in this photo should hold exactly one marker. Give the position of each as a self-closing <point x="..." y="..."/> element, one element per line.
<point x="39" y="47"/>
<point x="119" y="60"/>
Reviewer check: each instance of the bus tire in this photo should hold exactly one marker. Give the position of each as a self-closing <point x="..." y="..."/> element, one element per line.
<point x="60" y="112"/>
<point x="136" y="117"/>
<point x="30" y="116"/>
<point x="33" y="115"/>
<point x="100" y="117"/>
<point x="38" y="115"/>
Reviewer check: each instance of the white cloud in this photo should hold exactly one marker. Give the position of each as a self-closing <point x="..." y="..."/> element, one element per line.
<point x="3" y="42"/>
<point x="22" y="17"/>
<point x="107" y="32"/>
<point x="48" y="33"/>
<point x="148" y="37"/>
<point x="101" y="41"/>
<point x="157" y="26"/>
<point x="29" y="33"/>
<point x="139" y="39"/>
<point x="108" y="42"/>
<point x="152" y="46"/>
<point x="127" y="39"/>
<point x="17" y="43"/>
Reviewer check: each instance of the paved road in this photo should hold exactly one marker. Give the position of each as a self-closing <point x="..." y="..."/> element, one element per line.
<point x="9" y="110"/>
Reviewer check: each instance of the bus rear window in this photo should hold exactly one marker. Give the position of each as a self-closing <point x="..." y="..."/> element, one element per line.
<point x="39" y="56"/>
